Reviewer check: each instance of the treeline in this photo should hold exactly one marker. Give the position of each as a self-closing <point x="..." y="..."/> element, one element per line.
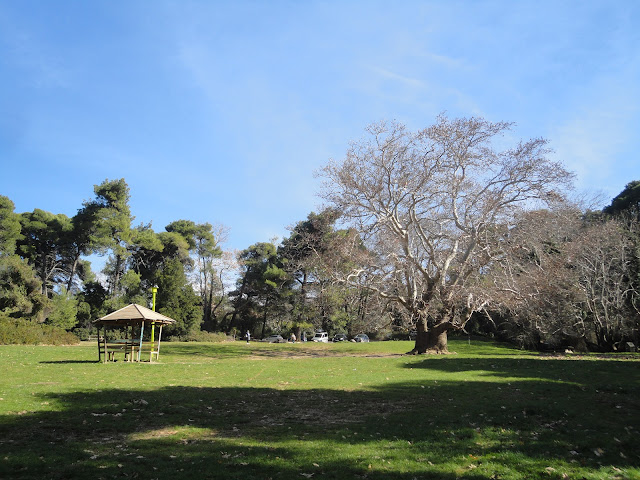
<point x="572" y="277"/>
<point x="45" y="277"/>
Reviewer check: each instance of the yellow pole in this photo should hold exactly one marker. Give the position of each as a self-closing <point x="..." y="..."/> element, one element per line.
<point x="154" y="290"/>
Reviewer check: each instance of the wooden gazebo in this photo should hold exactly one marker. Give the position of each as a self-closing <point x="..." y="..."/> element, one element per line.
<point x="133" y="318"/>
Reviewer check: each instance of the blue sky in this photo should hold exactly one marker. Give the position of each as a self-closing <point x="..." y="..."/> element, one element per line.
<point x="221" y="111"/>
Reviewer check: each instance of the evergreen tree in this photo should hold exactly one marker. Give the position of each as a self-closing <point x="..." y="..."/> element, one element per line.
<point x="264" y="285"/>
<point x="42" y="245"/>
<point x="64" y="310"/>
<point x="110" y="219"/>
<point x="627" y="201"/>
<point x="20" y="290"/>
<point x="203" y="245"/>
<point x="177" y="300"/>
<point x="9" y="226"/>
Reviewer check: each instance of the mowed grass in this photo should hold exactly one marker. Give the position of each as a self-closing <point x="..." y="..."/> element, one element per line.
<point x="294" y="411"/>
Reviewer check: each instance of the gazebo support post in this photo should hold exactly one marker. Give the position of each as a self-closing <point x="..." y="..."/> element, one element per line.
<point x="128" y="347"/>
<point x="141" y="333"/>
<point x="104" y="345"/>
<point x="99" y="347"/>
<point x="157" y="351"/>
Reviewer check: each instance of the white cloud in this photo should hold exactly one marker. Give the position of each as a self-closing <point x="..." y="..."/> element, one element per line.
<point x="597" y="132"/>
<point x="408" y="81"/>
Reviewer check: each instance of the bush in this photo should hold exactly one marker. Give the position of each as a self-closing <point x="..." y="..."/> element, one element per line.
<point x="23" y="332"/>
<point x="82" y="333"/>
<point x="20" y="290"/>
<point x="64" y="310"/>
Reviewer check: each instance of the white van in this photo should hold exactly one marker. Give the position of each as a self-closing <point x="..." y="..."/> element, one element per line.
<point x="321" y="337"/>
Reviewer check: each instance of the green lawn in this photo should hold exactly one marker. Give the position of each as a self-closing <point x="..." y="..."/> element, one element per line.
<point x="294" y="411"/>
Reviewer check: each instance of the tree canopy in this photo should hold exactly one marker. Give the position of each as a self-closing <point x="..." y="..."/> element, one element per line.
<point x="449" y="228"/>
<point x="426" y="204"/>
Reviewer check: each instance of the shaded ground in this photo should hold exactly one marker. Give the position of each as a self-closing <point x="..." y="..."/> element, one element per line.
<point x="473" y="418"/>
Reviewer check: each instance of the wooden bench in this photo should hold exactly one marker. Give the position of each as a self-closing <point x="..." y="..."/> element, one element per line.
<point x="110" y="347"/>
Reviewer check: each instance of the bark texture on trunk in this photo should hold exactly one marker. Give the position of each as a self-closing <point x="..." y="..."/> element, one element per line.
<point x="431" y="340"/>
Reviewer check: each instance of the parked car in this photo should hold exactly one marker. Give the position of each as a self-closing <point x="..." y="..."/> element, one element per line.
<point x="321" y="337"/>
<point x="361" y="337"/>
<point x="274" y="339"/>
<point x="339" y="337"/>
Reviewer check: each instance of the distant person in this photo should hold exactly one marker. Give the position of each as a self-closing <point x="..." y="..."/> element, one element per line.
<point x="248" y="335"/>
<point x="293" y="337"/>
<point x="303" y="337"/>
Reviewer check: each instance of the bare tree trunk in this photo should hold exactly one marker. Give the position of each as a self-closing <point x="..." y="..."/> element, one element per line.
<point x="431" y="340"/>
<point x="43" y="274"/>
<point x="72" y="274"/>
<point x="264" y="318"/>
<point x="237" y="303"/>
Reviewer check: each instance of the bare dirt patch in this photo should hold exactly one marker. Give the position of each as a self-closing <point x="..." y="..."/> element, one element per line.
<point x="317" y="354"/>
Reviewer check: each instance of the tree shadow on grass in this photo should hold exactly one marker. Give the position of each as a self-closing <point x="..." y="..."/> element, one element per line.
<point x="68" y="361"/>
<point x="586" y="373"/>
<point x="528" y="427"/>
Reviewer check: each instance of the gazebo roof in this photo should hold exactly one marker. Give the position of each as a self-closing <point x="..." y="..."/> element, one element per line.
<point x="131" y="314"/>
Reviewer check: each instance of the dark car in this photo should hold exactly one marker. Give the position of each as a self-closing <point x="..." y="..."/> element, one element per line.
<point x="339" y="337"/>
<point x="361" y="337"/>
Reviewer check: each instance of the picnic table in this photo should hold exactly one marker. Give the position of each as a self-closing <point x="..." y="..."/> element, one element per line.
<point x="110" y="347"/>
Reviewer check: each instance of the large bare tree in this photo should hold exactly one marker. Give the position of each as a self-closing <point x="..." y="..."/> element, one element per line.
<point x="429" y="204"/>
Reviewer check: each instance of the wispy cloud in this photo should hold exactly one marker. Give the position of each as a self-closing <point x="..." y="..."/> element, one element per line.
<point x="592" y="139"/>
<point x="389" y="75"/>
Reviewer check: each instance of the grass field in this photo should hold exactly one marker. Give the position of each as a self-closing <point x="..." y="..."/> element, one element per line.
<point x="294" y="411"/>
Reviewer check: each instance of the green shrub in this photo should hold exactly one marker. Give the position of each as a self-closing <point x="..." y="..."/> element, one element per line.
<point x="20" y="290"/>
<point x="64" y="310"/>
<point x="23" y="332"/>
<point x="82" y="333"/>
